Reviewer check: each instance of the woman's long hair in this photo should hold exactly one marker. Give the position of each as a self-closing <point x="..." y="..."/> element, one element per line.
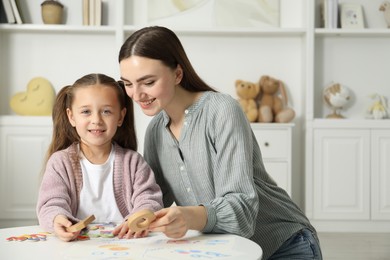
<point x="160" y="43"/>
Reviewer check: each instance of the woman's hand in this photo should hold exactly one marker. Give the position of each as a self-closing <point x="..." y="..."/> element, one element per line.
<point x="61" y="222"/>
<point x="174" y="222"/>
<point x="123" y="231"/>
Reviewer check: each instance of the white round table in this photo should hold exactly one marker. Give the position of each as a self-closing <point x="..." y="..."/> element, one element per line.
<point x="155" y="246"/>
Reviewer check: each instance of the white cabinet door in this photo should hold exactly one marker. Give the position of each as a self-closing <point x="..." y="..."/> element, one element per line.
<point x="21" y="156"/>
<point x="279" y="172"/>
<point x="342" y="174"/>
<point x="380" y="176"/>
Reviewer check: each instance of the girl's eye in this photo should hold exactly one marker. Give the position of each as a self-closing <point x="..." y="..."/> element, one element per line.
<point x="85" y="112"/>
<point x="106" y="112"/>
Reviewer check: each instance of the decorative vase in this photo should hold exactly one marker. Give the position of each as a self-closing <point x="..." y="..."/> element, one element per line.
<point x="52" y="12"/>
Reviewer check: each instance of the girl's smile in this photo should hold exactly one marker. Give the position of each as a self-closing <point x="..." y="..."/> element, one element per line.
<point x="96" y="131"/>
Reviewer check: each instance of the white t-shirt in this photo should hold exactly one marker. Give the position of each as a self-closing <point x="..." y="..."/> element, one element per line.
<point x="97" y="193"/>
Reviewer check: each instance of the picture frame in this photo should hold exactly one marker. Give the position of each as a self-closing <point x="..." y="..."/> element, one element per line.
<point x="351" y="16"/>
<point x="216" y="13"/>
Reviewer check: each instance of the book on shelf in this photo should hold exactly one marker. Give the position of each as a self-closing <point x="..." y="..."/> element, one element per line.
<point x="15" y="9"/>
<point x="330" y="13"/>
<point x="92" y="12"/>
<point x="85" y="12"/>
<point x="98" y="12"/>
<point x="3" y="16"/>
<point x="8" y="11"/>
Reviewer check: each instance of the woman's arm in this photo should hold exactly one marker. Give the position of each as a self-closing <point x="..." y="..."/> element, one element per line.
<point x="236" y="204"/>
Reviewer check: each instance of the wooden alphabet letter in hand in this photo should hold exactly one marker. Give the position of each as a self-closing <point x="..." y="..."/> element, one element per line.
<point x="81" y="225"/>
<point x="140" y="220"/>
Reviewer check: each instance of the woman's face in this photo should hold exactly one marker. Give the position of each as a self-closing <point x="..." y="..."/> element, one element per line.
<point x="150" y="83"/>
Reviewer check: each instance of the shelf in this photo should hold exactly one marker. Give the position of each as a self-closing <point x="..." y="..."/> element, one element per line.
<point x="217" y="31"/>
<point x="349" y="123"/>
<point x="271" y="125"/>
<point x="352" y="32"/>
<point x="57" y="28"/>
<point x="221" y="31"/>
<point x="11" y="120"/>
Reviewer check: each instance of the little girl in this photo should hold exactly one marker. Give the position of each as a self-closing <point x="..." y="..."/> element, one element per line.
<point x="92" y="165"/>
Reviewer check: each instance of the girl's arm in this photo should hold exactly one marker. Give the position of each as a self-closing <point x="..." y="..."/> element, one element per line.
<point x="144" y="192"/>
<point x="57" y="193"/>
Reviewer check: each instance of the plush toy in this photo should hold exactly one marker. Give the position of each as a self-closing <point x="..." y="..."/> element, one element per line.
<point x="379" y="109"/>
<point x="273" y="102"/>
<point x="247" y="93"/>
<point x="38" y="100"/>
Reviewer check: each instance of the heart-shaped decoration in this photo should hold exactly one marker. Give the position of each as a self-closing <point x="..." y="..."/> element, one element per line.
<point x="38" y="100"/>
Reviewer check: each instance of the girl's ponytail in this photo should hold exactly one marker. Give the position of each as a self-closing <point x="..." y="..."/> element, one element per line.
<point x="64" y="133"/>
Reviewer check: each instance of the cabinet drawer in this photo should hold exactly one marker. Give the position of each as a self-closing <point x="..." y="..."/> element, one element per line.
<point x="273" y="143"/>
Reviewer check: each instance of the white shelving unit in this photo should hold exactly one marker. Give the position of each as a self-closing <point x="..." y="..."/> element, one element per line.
<point x="63" y="53"/>
<point x="347" y="170"/>
<point x="300" y="53"/>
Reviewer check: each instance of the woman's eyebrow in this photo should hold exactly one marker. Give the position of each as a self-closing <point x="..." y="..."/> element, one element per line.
<point x="138" y="80"/>
<point x="122" y="78"/>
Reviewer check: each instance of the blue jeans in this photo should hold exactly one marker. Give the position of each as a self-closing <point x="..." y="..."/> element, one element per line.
<point x="302" y="245"/>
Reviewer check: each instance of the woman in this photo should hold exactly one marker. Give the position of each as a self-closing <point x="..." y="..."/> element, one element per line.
<point x="204" y="154"/>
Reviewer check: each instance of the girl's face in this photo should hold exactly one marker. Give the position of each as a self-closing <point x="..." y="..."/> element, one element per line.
<point x="150" y="83"/>
<point x="96" y="114"/>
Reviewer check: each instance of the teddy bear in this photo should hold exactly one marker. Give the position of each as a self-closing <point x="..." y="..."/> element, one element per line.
<point x="247" y="93"/>
<point x="273" y="101"/>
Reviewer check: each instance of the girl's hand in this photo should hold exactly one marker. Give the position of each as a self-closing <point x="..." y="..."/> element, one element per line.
<point x="174" y="222"/>
<point x="123" y="231"/>
<point x="61" y="222"/>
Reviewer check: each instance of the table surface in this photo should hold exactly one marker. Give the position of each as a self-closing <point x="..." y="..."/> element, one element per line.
<point x="155" y="246"/>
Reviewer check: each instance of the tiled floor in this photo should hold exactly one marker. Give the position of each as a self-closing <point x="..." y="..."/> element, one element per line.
<point x="355" y="246"/>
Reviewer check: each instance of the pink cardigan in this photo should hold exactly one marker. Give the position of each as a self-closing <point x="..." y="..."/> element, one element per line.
<point x="135" y="187"/>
